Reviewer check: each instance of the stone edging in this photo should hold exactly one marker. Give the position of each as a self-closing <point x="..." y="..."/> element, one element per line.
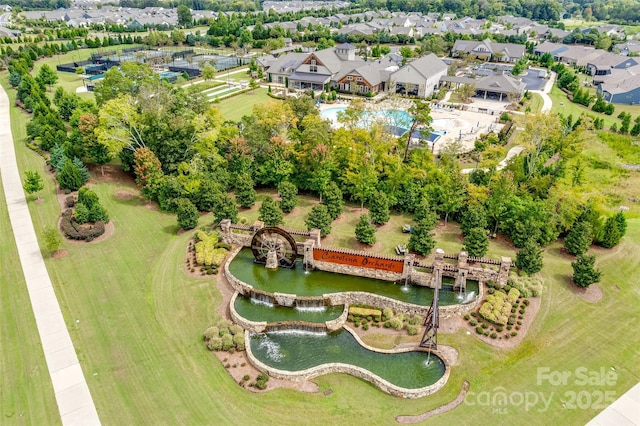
<point x="353" y="370"/>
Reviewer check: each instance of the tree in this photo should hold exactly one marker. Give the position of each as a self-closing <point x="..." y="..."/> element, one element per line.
<point x="422" y="240"/>
<point x="421" y="113"/>
<point x="245" y="194"/>
<point x="46" y="76"/>
<point x="425" y="213"/>
<point x="52" y="239"/>
<point x="365" y="231"/>
<point x="466" y="90"/>
<point x="70" y="177"/>
<point x="270" y="212"/>
<point x="225" y="208"/>
<point x="148" y="172"/>
<point x="475" y="216"/>
<point x="187" y="214"/>
<point x="613" y="230"/>
<point x="379" y="208"/>
<point x="476" y="242"/>
<point x="288" y="196"/>
<point x="584" y="271"/>
<point x="529" y="258"/>
<point x="82" y="169"/>
<point x="57" y="157"/>
<point x="184" y="16"/>
<point x="579" y="238"/>
<point x="501" y="190"/>
<point x="208" y="72"/>
<point x="319" y="218"/>
<point x="453" y="193"/>
<point x="32" y="182"/>
<point x="332" y="199"/>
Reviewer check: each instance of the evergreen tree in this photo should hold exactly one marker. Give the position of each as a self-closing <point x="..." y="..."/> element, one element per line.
<point x="187" y="214"/>
<point x="476" y="242"/>
<point x="32" y="182"/>
<point x="584" y="271"/>
<point x="621" y="221"/>
<point x="70" y="177"/>
<point x="319" y="218"/>
<point x="225" y="208"/>
<point x="57" y="157"/>
<point x="84" y="173"/>
<point x="579" y="238"/>
<point x="379" y="208"/>
<point x="245" y="194"/>
<point x="422" y="240"/>
<point x="425" y="213"/>
<point x="270" y="212"/>
<point x="332" y="199"/>
<point x="365" y="231"/>
<point x="611" y="232"/>
<point x="208" y="194"/>
<point x="288" y="196"/>
<point x="529" y="258"/>
<point x="475" y="216"/>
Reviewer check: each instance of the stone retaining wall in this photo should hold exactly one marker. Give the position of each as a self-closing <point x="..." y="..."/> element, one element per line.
<point x="356" y="271"/>
<point x="353" y="370"/>
<point x="339" y="322"/>
<point x="256" y="327"/>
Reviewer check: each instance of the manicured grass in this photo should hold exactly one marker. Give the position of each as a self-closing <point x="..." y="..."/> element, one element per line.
<point x="26" y="393"/>
<point x="238" y="106"/>
<point x="564" y="106"/>
<point x="136" y="319"/>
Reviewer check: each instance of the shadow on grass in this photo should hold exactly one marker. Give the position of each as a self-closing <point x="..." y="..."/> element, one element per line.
<point x="171" y="229"/>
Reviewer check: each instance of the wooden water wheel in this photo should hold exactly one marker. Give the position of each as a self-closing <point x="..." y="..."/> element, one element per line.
<point x="277" y="240"/>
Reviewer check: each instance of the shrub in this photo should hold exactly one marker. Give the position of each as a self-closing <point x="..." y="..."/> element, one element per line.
<point x="485" y="325"/>
<point x="473" y="323"/>
<point x="525" y="302"/>
<point x="514" y="333"/>
<point x="70" y="201"/>
<point x="365" y="326"/>
<point x="494" y="335"/>
<point x="387" y="324"/>
<point x="246" y="378"/>
<point x="466" y="317"/>
<point x="511" y="320"/>
<point x="74" y="231"/>
<point x="491" y="290"/>
<point x="235" y="329"/>
<point x="388" y="313"/>
<point x="227" y="342"/>
<point x="214" y="344"/>
<point x="415" y="320"/>
<point x="211" y="332"/>
<point x="238" y="341"/>
<point x="499" y="328"/>
<point x="396" y="322"/>
<point x="412" y="330"/>
<point x="479" y="330"/>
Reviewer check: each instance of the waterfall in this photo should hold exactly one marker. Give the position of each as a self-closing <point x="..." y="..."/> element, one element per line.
<point x="297" y="327"/>
<point x="261" y="298"/>
<point x="310" y="305"/>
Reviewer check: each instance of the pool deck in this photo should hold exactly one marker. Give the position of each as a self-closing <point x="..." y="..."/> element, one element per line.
<point x="462" y="127"/>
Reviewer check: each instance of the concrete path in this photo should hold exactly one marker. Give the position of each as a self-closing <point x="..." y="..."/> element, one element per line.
<point x="71" y="391"/>
<point x="546" y="100"/>
<point x="625" y="411"/>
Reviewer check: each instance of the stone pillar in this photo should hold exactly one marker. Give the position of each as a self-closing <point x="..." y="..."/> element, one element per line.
<point x="257" y="225"/>
<point x="225" y="228"/>
<point x="407" y="268"/>
<point x="503" y="273"/>
<point x="308" y="254"/>
<point x="438" y="263"/>
<point x="272" y="260"/>
<point x="315" y="236"/>
<point x="463" y="260"/>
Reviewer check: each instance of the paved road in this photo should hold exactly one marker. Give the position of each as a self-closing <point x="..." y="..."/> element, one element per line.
<point x="4" y="19"/>
<point x="72" y="394"/>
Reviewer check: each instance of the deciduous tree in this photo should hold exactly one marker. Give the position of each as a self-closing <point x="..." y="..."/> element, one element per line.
<point x="32" y="182"/>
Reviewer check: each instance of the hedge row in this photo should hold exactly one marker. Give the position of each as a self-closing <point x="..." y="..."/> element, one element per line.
<point x="73" y="230"/>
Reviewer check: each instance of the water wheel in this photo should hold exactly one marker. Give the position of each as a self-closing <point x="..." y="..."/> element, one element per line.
<point x="277" y="240"/>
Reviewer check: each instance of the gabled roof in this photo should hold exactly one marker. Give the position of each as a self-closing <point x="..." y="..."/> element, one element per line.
<point x="500" y="83"/>
<point x="622" y="86"/>
<point x="428" y="65"/>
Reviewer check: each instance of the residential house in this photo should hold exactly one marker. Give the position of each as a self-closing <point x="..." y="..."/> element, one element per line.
<point x="606" y="61"/>
<point x="418" y="78"/>
<point x="488" y="50"/>
<point x="631" y="47"/>
<point x="625" y="91"/>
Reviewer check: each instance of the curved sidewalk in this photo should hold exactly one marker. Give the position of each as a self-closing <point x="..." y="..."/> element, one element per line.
<point x="72" y="394"/>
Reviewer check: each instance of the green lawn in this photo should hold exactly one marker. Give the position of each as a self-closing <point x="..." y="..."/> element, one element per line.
<point x="136" y="320"/>
<point x="26" y="393"/>
<point x="238" y="106"/>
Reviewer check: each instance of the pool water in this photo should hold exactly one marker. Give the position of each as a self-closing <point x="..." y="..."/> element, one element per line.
<point x="255" y="311"/>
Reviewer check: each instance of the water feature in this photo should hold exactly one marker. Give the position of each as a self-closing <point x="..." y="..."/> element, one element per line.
<point x="253" y="311"/>
<point x="316" y="283"/>
<point x="297" y="351"/>
<point x="262" y="298"/>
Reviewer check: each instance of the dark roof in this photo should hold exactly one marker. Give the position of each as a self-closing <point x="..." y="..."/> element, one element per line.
<point x="308" y="76"/>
